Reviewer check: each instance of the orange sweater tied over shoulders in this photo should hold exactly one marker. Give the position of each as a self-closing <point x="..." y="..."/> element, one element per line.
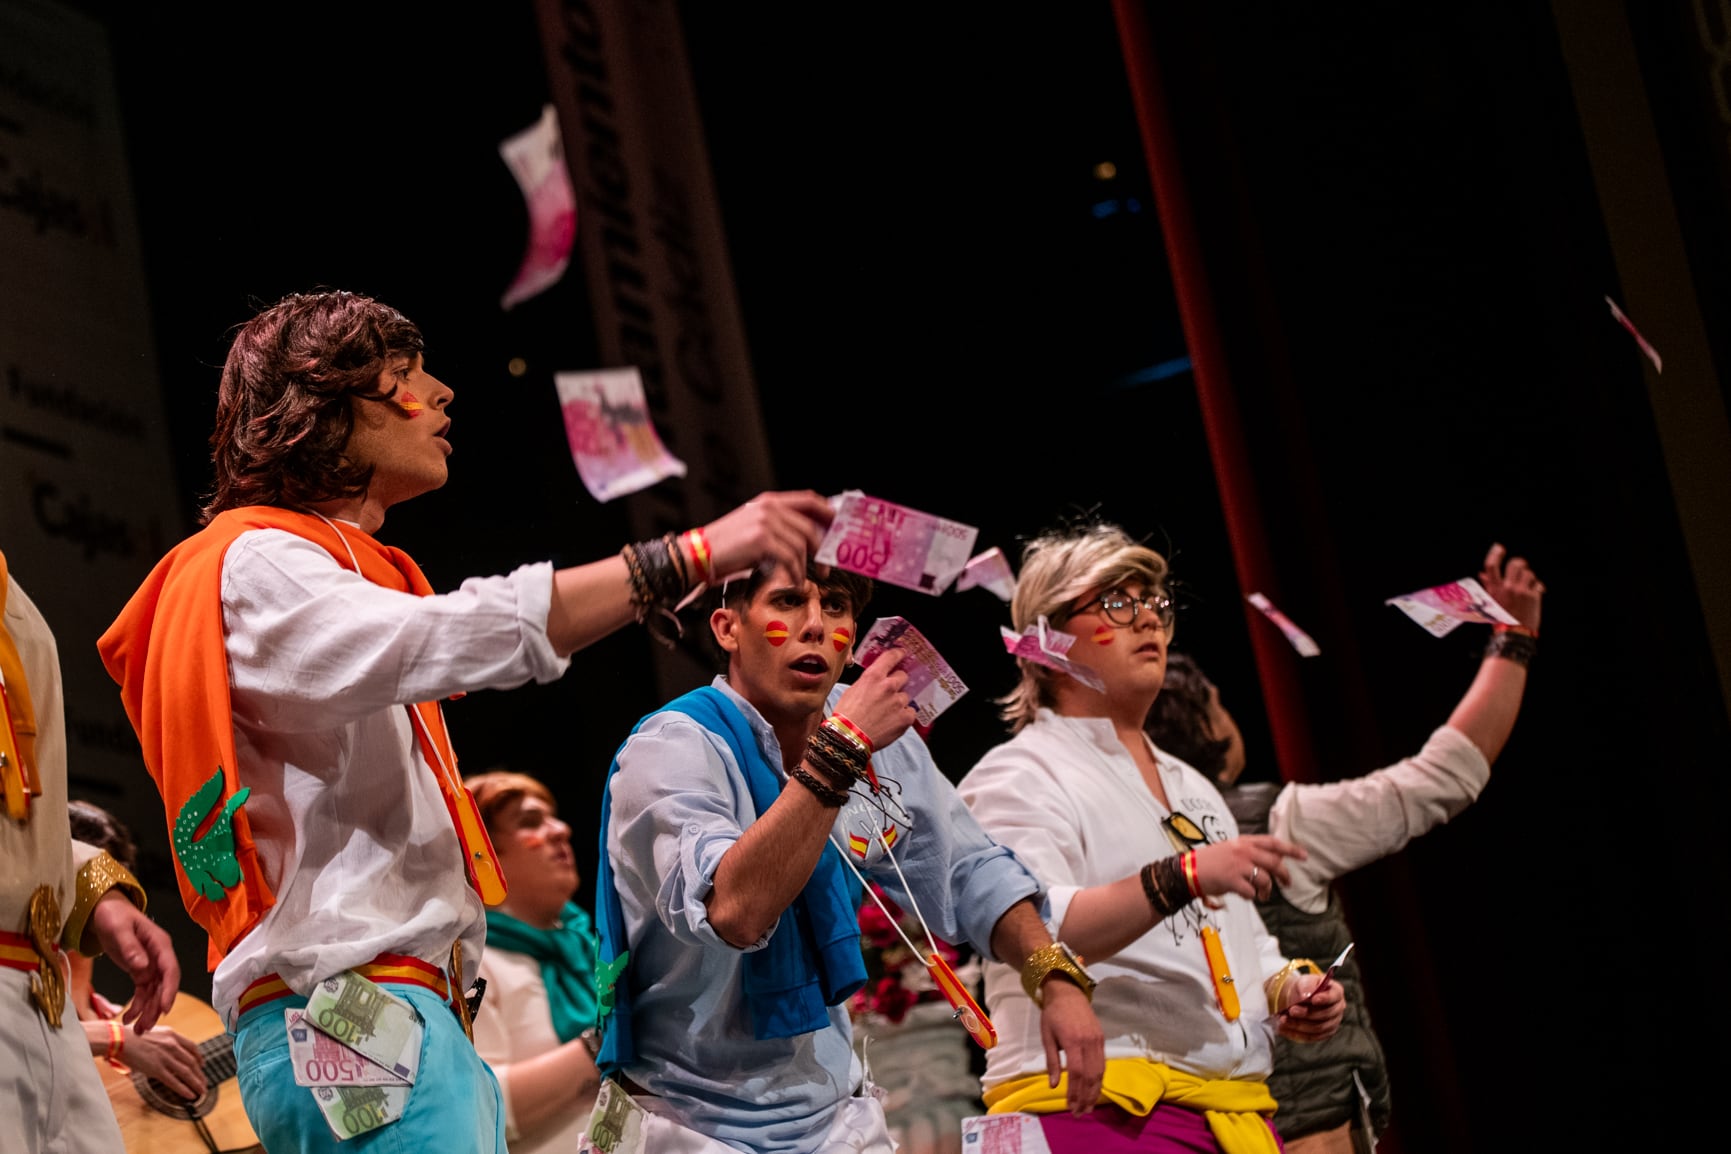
<point x="168" y="654"/>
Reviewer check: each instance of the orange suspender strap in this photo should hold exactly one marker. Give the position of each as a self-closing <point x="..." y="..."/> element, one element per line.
<point x="395" y="569"/>
<point x="480" y="862"/>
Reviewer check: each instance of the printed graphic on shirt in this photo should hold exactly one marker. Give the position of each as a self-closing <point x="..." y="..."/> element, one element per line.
<point x="208" y="860"/>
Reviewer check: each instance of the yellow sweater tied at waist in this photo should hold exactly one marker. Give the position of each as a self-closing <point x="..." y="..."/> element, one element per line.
<point x="1236" y="1112"/>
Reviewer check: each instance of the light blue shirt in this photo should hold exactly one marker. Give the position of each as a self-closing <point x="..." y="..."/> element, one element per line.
<point x="678" y="804"/>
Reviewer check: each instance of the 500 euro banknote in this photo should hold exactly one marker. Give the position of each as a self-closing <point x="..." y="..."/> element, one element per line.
<point x="932" y="685"/>
<point x="892" y="543"/>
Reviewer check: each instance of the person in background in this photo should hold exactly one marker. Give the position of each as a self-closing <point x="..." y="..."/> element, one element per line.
<point x="1334" y="1095"/>
<point x="164" y="1054"/>
<point x="1150" y="880"/>
<point x="57" y="895"/>
<point x="536" y="1025"/>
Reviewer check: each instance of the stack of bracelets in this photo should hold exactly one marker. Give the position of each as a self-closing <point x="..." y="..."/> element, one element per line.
<point x="840" y="751"/>
<point x="660" y="578"/>
<point x="1170" y="883"/>
<point x="1515" y="643"/>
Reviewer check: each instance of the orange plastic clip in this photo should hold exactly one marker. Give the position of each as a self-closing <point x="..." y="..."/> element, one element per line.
<point x="968" y="1011"/>
<point x="1224" y="990"/>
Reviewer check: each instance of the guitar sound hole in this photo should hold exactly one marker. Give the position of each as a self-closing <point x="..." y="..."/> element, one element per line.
<point x="160" y="1098"/>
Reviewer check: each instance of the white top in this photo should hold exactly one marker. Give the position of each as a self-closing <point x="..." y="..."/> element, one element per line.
<point x="351" y="828"/>
<point x="1348" y="824"/>
<point x="515" y="1023"/>
<point x="1065" y="795"/>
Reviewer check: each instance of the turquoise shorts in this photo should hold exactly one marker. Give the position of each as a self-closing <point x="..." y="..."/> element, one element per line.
<point x="454" y="1094"/>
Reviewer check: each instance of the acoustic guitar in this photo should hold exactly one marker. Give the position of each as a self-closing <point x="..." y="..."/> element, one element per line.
<point x="155" y="1120"/>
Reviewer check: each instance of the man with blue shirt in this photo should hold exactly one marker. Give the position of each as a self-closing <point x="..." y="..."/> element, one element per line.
<point x="730" y="822"/>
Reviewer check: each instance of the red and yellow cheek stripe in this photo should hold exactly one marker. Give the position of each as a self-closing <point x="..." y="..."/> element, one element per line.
<point x="410" y="405"/>
<point x="1103" y="634"/>
<point x="775" y="632"/>
<point x="841" y="639"/>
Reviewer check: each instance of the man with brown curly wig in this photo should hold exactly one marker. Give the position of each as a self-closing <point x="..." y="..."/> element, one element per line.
<point x="283" y="668"/>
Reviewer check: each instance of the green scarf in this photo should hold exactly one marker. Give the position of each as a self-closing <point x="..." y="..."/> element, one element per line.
<point x="567" y="956"/>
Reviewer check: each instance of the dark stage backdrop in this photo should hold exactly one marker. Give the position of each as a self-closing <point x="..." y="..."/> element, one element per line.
<point x="1407" y="222"/>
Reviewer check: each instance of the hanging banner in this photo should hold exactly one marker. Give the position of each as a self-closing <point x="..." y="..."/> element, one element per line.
<point x="650" y="242"/>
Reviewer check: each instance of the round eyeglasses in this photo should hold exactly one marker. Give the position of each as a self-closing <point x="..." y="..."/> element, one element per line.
<point x="1121" y="609"/>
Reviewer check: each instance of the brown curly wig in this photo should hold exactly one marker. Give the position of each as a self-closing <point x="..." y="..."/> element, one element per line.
<point x="283" y="410"/>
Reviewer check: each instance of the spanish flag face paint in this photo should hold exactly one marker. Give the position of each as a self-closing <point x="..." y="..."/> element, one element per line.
<point x="841" y="638"/>
<point x="411" y="406"/>
<point x="1103" y="634"/>
<point x="775" y="632"/>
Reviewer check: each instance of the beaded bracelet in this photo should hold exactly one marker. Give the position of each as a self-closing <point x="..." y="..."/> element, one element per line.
<point x="849" y="759"/>
<point x="837" y="769"/>
<point x="832" y="798"/>
<point x="658" y="579"/>
<point x="1164" y="886"/>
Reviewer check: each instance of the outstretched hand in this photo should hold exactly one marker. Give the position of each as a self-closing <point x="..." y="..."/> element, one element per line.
<point x="144" y="950"/>
<point x="1249" y="865"/>
<point x="782" y="528"/>
<point x="1513" y="585"/>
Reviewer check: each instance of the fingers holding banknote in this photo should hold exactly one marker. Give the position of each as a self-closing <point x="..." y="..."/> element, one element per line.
<point x="778" y="528"/>
<point x="878" y="702"/>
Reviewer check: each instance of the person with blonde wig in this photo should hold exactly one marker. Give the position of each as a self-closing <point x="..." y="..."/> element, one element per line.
<point x="1151" y="886"/>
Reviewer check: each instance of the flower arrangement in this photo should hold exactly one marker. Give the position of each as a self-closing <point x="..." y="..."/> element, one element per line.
<point x="896" y="977"/>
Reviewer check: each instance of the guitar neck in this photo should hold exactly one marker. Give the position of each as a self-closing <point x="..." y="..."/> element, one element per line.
<point x="217" y="1056"/>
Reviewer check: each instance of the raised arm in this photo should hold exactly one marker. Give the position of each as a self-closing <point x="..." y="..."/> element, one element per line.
<point x="1486" y="714"/>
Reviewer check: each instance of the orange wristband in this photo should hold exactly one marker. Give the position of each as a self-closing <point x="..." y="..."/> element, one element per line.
<point x="1504" y="627"/>
<point x="699" y="546"/>
<point x="116" y="1044"/>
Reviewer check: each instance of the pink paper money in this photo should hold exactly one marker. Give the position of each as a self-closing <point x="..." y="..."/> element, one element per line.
<point x="932" y="685"/>
<point x="1443" y="608"/>
<point x="1004" y="1134"/>
<point x="890" y="542"/>
<point x="1042" y="644"/>
<point x="989" y="570"/>
<point x="612" y="441"/>
<point x="1300" y="640"/>
<point x="1622" y="319"/>
<point x="536" y="157"/>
